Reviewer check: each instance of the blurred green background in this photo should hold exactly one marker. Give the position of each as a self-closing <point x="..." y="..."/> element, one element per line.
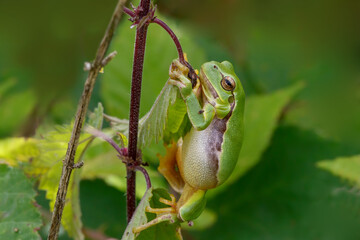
<point x="272" y="44"/>
<point x="44" y="44"/>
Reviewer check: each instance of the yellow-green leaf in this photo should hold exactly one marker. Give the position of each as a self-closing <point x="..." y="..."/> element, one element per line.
<point x="345" y="167"/>
<point x="14" y="151"/>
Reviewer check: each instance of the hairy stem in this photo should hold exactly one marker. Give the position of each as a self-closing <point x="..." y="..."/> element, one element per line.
<point x="139" y="53"/>
<point x="68" y="162"/>
<point x="168" y="29"/>
<point x="142" y="16"/>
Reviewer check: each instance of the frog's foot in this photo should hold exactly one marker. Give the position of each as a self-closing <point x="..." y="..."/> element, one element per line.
<point x="171" y="209"/>
<point x="163" y="214"/>
<point x="177" y="69"/>
<point x="179" y="77"/>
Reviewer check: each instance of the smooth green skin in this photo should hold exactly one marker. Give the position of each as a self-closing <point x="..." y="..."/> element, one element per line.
<point x="201" y="117"/>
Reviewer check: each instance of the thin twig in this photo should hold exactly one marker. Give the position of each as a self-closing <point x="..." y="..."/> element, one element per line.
<point x="146" y="175"/>
<point x="68" y="163"/>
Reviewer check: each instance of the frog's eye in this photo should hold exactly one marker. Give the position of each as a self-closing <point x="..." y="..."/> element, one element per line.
<point x="228" y="83"/>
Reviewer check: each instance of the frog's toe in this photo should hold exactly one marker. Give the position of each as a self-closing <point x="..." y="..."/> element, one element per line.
<point x="176" y="65"/>
<point x="174" y="74"/>
<point x="177" y="83"/>
<point x="166" y="217"/>
<point x="171" y="209"/>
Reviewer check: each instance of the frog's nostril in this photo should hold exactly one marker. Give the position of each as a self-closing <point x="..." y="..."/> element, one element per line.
<point x="231" y="99"/>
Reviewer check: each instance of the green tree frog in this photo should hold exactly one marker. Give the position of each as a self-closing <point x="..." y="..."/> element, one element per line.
<point x="206" y="156"/>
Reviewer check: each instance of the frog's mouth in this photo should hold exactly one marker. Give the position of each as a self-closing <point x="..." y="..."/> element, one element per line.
<point x="208" y="88"/>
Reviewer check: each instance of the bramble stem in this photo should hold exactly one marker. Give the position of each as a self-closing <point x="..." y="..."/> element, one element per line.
<point x="139" y="53"/>
<point x="68" y="162"/>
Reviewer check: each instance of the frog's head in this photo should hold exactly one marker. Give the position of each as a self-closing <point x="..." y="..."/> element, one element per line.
<point x="221" y="85"/>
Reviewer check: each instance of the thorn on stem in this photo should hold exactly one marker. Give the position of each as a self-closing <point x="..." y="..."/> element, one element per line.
<point x="108" y="58"/>
<point x="78" y="164"/>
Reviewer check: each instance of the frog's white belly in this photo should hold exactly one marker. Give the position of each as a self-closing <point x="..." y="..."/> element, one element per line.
<point x="201" y="153"/>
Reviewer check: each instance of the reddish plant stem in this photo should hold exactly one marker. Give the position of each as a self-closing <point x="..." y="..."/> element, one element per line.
<point x="174" y="38"/>
<point x="192" y="73"/>
<point x="129" y="12"/>
<point x="166" y="27"/>
<point x="139" y="53"/>
<point x="146" y="175"/>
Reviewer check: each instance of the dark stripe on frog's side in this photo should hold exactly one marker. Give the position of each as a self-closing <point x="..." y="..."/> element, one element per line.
<point x="218" y="127"/>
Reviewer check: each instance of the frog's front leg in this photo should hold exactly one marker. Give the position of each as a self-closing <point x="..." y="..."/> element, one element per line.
<point x="199" y="116"/>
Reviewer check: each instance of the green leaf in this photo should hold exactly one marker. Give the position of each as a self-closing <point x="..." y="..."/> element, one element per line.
<point x="345" y="167"/>
<point x="261" y="117"/>
<point x="96" y="117"/>
<point x="177" y="121"/>
<point x="152" y="125"/>
<point x="19" y="218"/>
<point x="164" y="230"/>
<point x="48" y="166"/>
<point x="139" y="217"/>
<point x="286" y="196"/>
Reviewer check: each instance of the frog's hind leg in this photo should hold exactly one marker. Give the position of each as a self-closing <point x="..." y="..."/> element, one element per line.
<point x="169" y="168"/>
<point x="162" y="214"/>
